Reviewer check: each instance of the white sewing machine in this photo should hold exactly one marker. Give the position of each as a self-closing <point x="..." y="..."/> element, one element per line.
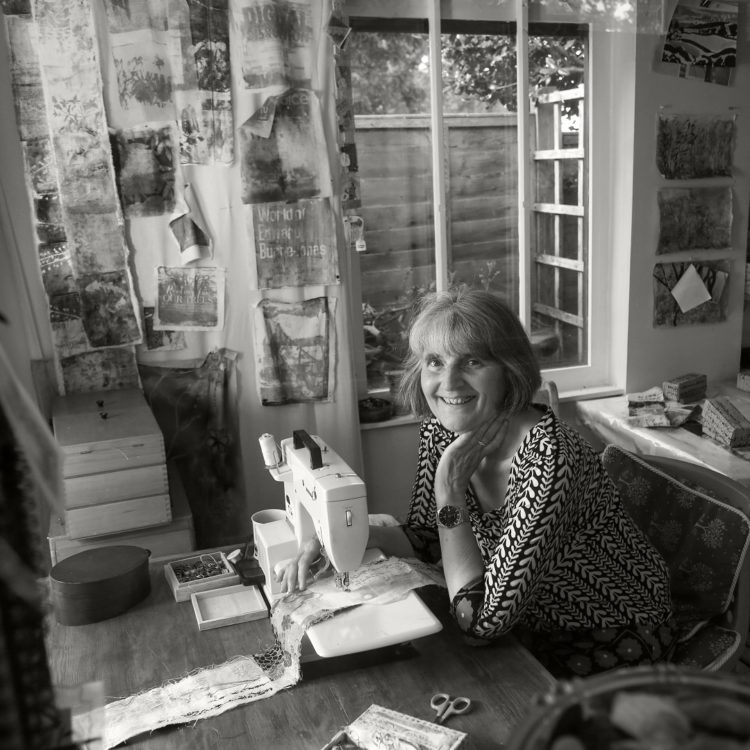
<point x="324" y="497"/>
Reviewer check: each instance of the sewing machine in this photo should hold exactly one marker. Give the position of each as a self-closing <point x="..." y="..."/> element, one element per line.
<point x="325" y="498"/>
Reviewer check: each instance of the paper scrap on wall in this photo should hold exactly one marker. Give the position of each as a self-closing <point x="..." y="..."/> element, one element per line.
<point x="288" y="160"/>
<point x="701" y="41"/>
<point x="171" y="63"/>
<point x="275" y="38"/>
<point x="695" y="219"/>
<point x="100" y="370"/>
<point x="167" y="340"/>
<point x="690" y="293"/>
<point x="695" y="146"/>
<point x="189" y="299"/>
<point x="295" y="244"/>
<point x="146" y="173"/>
<point x="295" y="345"/>
<point x="189" y="228"/>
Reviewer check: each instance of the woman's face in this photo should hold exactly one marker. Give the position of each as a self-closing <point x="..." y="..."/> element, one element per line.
<point x="462" y="391"/>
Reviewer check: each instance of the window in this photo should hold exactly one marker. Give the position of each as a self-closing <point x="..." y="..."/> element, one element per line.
<point x="538" y="259"/>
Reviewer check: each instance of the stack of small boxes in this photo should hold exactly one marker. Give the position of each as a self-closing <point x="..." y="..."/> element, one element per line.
<point x="723" y="422"/>
<point x="687" y="389"/>
<point x="118" y="489"/>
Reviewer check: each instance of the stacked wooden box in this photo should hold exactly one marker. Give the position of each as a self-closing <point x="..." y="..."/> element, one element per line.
<point x="114" y="466"/>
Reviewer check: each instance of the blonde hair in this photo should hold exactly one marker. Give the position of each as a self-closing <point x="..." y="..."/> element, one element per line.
<point x="470" y="321"/>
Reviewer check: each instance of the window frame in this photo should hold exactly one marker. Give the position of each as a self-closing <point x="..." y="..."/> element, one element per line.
<point x="598" y="375"/>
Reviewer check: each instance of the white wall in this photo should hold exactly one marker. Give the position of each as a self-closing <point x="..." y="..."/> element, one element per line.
<point x="656" y="354"/>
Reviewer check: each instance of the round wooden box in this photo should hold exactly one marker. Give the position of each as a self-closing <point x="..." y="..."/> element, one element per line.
<point x="99" y="583"/>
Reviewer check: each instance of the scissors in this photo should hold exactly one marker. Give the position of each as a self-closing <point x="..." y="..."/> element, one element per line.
<point x="444" y="706"/>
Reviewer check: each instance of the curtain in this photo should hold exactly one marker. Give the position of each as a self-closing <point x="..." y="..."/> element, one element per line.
<point x="212" y="193"/>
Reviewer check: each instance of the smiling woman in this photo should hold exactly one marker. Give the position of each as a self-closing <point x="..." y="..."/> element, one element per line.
<point x="531" y="532"/>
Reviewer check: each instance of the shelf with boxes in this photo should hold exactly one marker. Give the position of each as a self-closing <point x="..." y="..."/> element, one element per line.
<point x="117" y="484"/>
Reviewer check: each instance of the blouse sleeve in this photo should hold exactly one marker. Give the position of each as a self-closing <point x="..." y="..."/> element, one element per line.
<point x="421" y="524"/>
<point x="540" y="511"/>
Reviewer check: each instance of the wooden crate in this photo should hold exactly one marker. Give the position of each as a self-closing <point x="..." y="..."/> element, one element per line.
<point x="106" y="431"/>
<point x="114" y="470"/>
<point x="174" y="538"/>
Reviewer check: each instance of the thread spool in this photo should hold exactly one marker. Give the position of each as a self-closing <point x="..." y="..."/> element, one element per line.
<point x="270" y="451"/>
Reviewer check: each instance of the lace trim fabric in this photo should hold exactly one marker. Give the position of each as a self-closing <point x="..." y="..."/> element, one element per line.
<point x="211" y="691"/>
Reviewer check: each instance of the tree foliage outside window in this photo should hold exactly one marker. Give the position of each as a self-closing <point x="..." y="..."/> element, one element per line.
<point x="390" y="72"/>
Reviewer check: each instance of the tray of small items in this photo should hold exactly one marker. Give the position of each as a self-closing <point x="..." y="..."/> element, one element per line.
<point x="210" y="570"/>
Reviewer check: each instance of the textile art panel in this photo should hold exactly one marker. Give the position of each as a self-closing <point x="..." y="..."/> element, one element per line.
<point x="191" y="407"/>
<point x="70" y="175"/>
<point x="211" y="691"/>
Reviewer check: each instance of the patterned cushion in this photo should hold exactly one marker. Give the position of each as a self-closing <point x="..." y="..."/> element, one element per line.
<point x="702" y="539"/>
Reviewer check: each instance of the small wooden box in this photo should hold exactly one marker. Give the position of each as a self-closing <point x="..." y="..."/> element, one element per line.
<point x="98" y="584"/>
<point x="176" y="537"/>
<point x="114" y="471"/>
<point x="183" y="589"/>
<point x="127" y="437"/>
<point x="228" y="606"/>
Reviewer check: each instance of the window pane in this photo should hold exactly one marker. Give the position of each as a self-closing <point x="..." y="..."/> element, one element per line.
<point x="480" y="130"/>
<point x="559" y="250"/>
<point x="390" y="90"/>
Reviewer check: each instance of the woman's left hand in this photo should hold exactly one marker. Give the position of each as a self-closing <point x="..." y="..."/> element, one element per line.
<point x="463" y="456"/>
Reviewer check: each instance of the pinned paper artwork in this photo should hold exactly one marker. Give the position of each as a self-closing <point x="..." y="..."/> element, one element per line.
<point x="206" y="119"/>
<point x="107" y="309"/>
<point x="189" y="228"/>
<point x="166" y="340"/>
<point x="295" y="342"/>
<point x="291" y="161"/>
<point x="701" y="40"/>
<point x="97" y="241"/>
<point x="100" y="370"/>
<point x="174" y="66"/>
<point x="146" y="170"/>
<point x="690" y="293"/>
<point x="26" y="76"/>
<point x="276" y="40"/>
<point x="189" y="299"/>
<point x="40" y="164"/>
<point x="695" y="146"/>
<point x="694" y="219"/>
<point x="49" y="220"/>
<point x="295" y="244"/>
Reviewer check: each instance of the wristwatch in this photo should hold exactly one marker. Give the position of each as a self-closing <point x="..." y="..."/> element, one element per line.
<point x="450" y="516"/>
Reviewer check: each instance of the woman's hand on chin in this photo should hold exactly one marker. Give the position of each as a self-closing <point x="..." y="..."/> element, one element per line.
<point x="463" y="456"/>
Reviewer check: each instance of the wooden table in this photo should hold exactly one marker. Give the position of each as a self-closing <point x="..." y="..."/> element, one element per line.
<point x="608" y="419"/>
<point x="159" y="640"/>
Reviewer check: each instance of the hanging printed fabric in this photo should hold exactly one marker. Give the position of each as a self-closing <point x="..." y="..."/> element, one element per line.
<point x="276" y="49"/>
<point x="283" y="150"/>
<point x="295" y="244"/>
<point x="70" y="176"/>
<point x="295" y="342"/>
<point x="170" y="61"/>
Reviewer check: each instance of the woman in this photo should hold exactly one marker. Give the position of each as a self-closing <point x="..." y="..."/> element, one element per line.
<point x="518" y="507"/>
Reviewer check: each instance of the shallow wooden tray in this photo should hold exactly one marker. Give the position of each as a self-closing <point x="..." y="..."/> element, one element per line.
<point x="183" y="590"/>
<point x="228" y="606"/>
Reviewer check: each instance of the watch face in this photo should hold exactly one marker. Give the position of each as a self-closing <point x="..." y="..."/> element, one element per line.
<point x="449" y="516"/>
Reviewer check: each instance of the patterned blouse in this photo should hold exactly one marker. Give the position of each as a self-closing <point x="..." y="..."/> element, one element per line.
<point x="562" y="554"/>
